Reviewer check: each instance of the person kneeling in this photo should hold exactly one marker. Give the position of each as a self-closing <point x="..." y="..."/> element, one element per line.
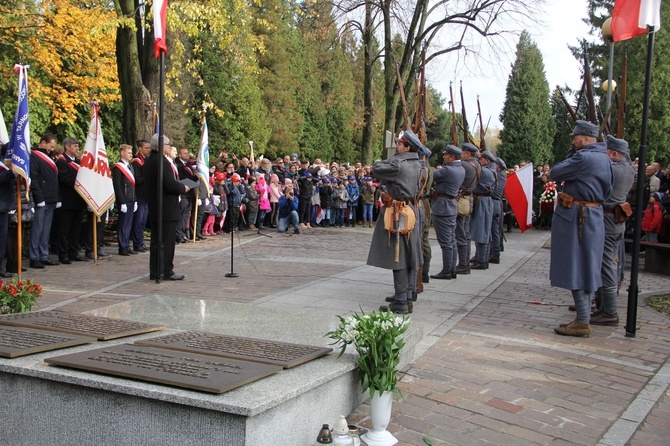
<point x="288" y="211"/>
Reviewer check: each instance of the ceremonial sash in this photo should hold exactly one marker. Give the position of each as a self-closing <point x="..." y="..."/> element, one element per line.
<point x="72" y="164"/>
<point x="46" y="159"/>
<point x="139" y="161"/>
<point x="174" y="168"/>
<point x="3" y="166"/>
<point x="125" y="170"/>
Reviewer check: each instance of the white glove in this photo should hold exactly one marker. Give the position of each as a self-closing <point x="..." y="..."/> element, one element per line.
<point x="135" y="210"/>
<point x="206" y="201"/>
<point x="41" y="204"/>
<point x="58" y="205"/>
<point x="124" y="208"/>
<point x="199" y="202"/>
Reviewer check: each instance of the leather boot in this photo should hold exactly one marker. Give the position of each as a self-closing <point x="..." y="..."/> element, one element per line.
<point x="607" y="319"/>
<point x="419" y="281"/>
<point x="574" y="328"/>
<point x="443" y="275"/>
<point x="460" y="269"/>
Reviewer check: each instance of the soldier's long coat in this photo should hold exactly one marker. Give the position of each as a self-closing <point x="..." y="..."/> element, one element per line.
<point x="400" y="174"/>
<point x="587" y="176"/>
<point x="480" y="222"/>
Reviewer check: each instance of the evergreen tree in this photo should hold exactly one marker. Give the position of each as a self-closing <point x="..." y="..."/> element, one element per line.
<point x="526" y="116"/>
<point x="559" y="113"/>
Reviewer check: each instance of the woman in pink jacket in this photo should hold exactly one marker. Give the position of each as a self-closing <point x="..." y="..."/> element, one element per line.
<point x="263" y="200"/>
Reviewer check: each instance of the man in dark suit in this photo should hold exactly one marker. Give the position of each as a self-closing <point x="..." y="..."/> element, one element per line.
<point x="124" y="191"/>
<point x="170" y="190"/>
<point x="140" y="216"/>
<point x="71" y="213"/>
<point x="44" y="188"/>
<point x="186" y="172"/>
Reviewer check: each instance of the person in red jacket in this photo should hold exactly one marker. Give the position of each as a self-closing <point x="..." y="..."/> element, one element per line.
<point x="652" y="222"/>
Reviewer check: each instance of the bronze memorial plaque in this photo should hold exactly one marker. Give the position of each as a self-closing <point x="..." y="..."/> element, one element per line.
<point x="20" y="341"/>
<point x="246" y="349"/>
<point x="101" y="328"/>
<point x="158" y="365"/>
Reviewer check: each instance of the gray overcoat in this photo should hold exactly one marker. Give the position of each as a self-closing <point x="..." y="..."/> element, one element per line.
<point x="400" y="174"/>
<point x="480" y="222"/>
<point x="587" y="176"/>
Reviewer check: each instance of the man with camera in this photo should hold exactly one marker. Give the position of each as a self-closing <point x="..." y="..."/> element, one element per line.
<point x="288" y="211"/>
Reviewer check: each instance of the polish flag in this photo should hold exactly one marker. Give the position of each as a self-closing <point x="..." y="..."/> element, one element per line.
<point x="630" y="18"/>
<point x="519" y="192"/>
<point x="160" y="27"/>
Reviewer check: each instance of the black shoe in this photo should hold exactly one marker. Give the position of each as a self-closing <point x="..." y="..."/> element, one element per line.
<point x="415" y="296"/>
<point x="174" y="276"/>
<point x="425" y="278"/>
<point x="397" y="307"/>
<point x="460" y="269"/>
<point x="123" y="252"/>
<point x="14" y="270"/>
<point x="131" y="252"/>
<point x="296" y="231"/>
<point x="479" y="266"/>
<point x="65" y="260"/>
<point x="77" y="258"/>
<point x="6" y="275"/>
<point x="178" y="241"/>
<point x="140" y="249"/>
<point x="492" y="260"/>
<point x="36" y="264"/>
<point x="50" y="262"/>
<point x="442" y="275"/>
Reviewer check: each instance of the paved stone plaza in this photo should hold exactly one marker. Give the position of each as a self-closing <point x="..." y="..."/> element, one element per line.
<point x="489" y="369"/>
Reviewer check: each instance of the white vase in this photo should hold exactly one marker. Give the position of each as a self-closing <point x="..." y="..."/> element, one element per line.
<point x="380" y="415"/>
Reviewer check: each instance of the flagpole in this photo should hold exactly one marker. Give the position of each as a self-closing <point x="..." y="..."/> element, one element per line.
<point x="633" y="291"/>
<point x="161" y="107"/>
<point x="197" y="190"/>
<point x="95" y="220"/>
<point x="19" y="228"/>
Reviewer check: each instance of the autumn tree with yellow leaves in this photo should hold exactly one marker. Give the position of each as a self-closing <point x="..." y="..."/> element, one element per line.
<point x="71" y="52"/>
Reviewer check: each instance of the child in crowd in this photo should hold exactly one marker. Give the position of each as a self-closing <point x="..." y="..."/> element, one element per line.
<point x="275" y="193"/>
<point x="340" y="199"/>
<point x="652" y="222"/>
<point x="354" y="193"/>
<point x="252" y="204"/>
<point x="326" y="195"/>
<point x="316" y="203"/>
<point x="368" y="198"/>
<point x="263" y="200"/>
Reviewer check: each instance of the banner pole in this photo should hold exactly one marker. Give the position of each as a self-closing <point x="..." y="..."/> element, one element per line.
<point x="19" y="228"/>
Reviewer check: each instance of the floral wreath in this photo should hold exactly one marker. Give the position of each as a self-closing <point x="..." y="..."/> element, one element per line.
<point x="549" y="194"/>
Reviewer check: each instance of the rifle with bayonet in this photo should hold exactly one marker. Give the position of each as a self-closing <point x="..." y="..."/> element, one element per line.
<point x="454" y="125"/>
<point x="482" y="131"/>
<point x="420" y="117"/>
<point x="590" y="92"/>
<point x="405" y="113"/>
<point x="621" y="113"/>
<point x="572" y="112"/>
<point x="466" y="129"/>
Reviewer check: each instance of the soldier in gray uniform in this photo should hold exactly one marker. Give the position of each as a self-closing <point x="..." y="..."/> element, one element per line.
<point x="446" y="183"/>
<point x="496" y="221"/>
<point x="577" y="228"/>
<point x="400" y="175"/>
<point x="473" y="171"/>
<point x="480" y="223"/>
<point x="623" y="175"/>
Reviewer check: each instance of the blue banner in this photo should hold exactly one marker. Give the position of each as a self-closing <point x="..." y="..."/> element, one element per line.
<point x="19" y="141"/>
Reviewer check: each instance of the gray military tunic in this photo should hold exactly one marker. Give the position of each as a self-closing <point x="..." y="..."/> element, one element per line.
<point x="447" y="182"/>
<point x="496" y="220"/>
<point x="400" y="174"/>
<point x="480" y="222"/>
<point x="588" y="177"/>
<point x="623" y="175"/>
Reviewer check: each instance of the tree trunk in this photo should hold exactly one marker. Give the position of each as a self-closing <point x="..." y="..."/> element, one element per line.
<point x="368" y="88"/>
<point x="135" y="97"/>
<point x="390" y="100"/>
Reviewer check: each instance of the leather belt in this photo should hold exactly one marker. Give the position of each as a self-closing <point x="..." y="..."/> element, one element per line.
<point x="464" y="193"/>
<point x="487" y="194"/>
<point x="586" y="203"/>
<point x="451" y="197"/>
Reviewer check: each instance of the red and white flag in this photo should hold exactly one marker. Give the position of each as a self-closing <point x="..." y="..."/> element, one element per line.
<point x="519" y="192"/>
<point x="94" y="178"/>
<point x="630" y="18"/>
<point x="160" y="27"/>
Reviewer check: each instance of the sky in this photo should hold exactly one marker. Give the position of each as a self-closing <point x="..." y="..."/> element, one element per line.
<point x="558" y="25"/>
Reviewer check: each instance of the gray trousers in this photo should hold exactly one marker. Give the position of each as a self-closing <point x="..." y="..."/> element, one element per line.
<point x="496" y="227"/>
<point x="463" y="238"/>
<point x="40" y="232"/>
<point x="445" y="230"/>
<point x="404" y="284"/>
<point x="609" y="270"/>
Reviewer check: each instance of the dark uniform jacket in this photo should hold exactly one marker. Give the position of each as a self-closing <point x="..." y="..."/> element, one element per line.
<point x="124" y="183"/>
<point x="170" y="189"/>
<point x="43" y="177"/>
<point x="138" y="171"/>
<point x="67" y="175"/>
